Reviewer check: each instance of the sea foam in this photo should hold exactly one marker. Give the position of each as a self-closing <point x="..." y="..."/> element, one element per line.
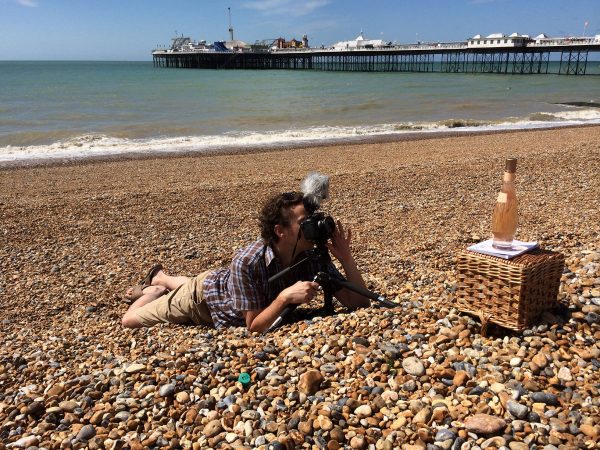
<point x="97" y="145"/>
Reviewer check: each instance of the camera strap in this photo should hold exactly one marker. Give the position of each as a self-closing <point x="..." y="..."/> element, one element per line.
<point x="296" y="245"/>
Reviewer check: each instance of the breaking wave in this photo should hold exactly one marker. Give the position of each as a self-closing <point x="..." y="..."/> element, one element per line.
<point x="98" y="145"/>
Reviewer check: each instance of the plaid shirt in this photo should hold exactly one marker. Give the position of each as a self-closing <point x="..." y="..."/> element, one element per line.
<point x="244" y="286"/>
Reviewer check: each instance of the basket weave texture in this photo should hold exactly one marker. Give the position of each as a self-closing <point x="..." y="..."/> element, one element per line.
<point x="512" y="293"/>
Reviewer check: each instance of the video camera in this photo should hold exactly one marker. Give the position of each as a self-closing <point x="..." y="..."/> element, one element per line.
<point x="317" y="227"/>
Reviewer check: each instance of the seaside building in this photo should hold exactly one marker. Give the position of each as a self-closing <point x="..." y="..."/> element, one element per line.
<point x="542" y="39"/>
<point x="499" y="40"/>
<point x="360" y="43"/>
<point x="281" y="43"/>
<point x="236" y="45"/>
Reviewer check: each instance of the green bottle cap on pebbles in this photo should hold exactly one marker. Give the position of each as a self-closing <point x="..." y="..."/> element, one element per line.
<point x="244" y="378"/>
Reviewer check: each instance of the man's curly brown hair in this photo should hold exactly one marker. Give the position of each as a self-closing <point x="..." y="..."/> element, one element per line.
<point x="276" y="210"/>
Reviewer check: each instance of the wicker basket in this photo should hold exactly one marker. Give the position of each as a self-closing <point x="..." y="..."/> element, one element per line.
<point x="511" y="293"/>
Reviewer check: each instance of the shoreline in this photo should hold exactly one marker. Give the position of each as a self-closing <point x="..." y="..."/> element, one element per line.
<point x="136" y="156"/>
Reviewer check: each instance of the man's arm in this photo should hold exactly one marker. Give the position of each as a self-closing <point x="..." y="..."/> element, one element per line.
<point x="340" y="248"/>
<point x="298" y="293"/>
<point x="246" y="297"/>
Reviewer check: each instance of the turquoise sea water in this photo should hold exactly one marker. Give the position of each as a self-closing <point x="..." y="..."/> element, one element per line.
<point x="79" y="109"/>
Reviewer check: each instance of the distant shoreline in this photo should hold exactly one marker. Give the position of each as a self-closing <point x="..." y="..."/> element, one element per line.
<point x="138" y="156"/>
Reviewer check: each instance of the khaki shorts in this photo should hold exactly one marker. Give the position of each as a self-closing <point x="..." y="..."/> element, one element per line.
<point x="184" y="305"/>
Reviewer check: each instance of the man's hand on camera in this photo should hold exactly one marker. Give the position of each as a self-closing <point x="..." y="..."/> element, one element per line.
<point x="340" y="243"/>
<point x="300" y="292"/>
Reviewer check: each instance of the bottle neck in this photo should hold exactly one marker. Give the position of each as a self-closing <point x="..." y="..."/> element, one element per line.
<point x="509" y="177"/>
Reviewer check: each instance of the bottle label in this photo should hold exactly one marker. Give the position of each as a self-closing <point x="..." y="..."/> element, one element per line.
<point x="502" y="197"/>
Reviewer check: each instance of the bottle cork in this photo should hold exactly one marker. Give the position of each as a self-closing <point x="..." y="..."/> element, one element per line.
<point x="511" y="165"/>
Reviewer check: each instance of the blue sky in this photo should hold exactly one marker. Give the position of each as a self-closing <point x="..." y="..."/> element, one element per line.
<point x="130" y="29"/>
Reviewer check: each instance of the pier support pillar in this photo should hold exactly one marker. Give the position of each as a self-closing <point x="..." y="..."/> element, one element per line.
<point x="573" y="62"/>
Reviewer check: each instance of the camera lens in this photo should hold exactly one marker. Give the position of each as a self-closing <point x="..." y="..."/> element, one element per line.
<point x="318" y="227"/>
<point x="327" y="226"/>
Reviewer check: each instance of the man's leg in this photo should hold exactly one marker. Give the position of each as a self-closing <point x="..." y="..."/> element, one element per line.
<point x="168" y="281"/>
<point x="151" y="293"/>
<point x="160" y="278"/>
<point x="183" y="305"/>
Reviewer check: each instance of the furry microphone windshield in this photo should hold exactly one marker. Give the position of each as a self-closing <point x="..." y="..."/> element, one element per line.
<point x="315" y="188"/>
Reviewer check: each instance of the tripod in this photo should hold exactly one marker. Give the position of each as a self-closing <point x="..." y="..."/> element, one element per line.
<point x="328" y="283"/>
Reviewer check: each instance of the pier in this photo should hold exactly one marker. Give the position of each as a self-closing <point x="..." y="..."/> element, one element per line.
<point x="572" y="54"/>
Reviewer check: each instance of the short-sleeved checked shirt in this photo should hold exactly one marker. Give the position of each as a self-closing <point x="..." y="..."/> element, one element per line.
<point x="244" y="286"/>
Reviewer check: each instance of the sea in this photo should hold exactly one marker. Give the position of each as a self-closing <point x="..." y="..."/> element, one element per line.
<point x="53" y="110"/>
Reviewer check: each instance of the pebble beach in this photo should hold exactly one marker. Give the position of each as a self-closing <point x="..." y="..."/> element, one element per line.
<point x="75" y="235"/>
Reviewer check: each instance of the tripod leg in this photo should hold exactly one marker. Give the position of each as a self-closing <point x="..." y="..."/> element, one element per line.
<point x="328" y="304"/>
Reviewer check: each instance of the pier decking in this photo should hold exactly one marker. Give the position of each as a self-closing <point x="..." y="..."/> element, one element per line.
<point x="459" y="57"/>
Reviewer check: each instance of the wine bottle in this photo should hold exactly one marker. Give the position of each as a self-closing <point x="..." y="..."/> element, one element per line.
<point x="504" y="220"/>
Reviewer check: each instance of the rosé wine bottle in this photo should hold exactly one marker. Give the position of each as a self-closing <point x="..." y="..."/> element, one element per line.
<point x="504" y="220"/>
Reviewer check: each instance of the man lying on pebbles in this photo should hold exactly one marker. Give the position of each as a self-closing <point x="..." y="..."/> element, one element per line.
<point x="241" y="295"/>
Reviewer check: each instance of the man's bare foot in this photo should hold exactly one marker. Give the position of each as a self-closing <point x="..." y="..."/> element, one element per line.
<point x="135" y="292"/>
